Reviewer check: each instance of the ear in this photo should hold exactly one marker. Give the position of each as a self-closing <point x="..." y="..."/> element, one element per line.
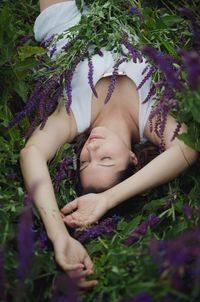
<point x="133" y="158"/>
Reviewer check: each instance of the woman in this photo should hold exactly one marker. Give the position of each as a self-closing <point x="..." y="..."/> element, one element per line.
<point x="106" y="153"/>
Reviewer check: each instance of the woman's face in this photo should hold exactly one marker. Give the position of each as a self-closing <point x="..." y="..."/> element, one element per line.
<point x="103" y="156"/>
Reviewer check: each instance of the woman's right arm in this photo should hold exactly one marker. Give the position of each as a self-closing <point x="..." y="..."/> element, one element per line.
<point x="41" y="147"/>
<point x="46" y="3"/>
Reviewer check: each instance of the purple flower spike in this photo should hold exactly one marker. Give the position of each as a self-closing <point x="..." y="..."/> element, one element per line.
<point x="113" y="80"/>
<point x="106" y="226"/>
<point x="136" y="11"/>
<point x="25" y="239"/>
<point x="2" y="277"/>
<point x="192" y="63"/>
<point x="65" y="289"/>
<point x="165" y="64"/>
<point x="141" y="297"/>
<point x="64" y="170"/>
<point x="136" y="55"/>
<point x="90" y="76"/>
<point x="147" y="76"/>
<point x="46" y="43"/>
<point x="188" y="211"/>
<point x="141" y="230"/>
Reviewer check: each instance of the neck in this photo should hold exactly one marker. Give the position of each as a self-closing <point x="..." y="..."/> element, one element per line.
<point x="118" y="120"/>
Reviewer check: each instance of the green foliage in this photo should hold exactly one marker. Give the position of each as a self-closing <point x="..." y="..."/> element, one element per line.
<point x="121" y="271"/>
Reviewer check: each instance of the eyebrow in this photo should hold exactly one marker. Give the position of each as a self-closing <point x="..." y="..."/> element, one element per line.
<point x="102" y="165"/>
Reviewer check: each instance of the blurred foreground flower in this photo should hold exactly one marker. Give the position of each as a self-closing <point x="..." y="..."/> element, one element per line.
<point x="179" y="259"/>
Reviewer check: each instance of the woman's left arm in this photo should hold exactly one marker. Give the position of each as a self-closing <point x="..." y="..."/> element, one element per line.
<point x="175" y="159"/>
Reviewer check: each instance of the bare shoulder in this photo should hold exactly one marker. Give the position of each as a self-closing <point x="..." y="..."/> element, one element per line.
<point x="46" y="3"/>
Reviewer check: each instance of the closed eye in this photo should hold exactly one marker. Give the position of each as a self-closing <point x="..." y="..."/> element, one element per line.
<point x="106" y="157"/>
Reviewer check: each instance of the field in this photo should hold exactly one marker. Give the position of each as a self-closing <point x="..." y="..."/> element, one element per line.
<point x="147" y="250"/>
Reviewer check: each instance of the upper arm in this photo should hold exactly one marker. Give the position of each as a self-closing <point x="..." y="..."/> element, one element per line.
<point x="60" y="128"/>
<point x="46" y="3"/>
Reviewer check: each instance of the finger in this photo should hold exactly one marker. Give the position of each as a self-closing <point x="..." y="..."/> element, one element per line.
<point x="88" y="263"/>
<point x="80" y="273"/>
<point x="71" y="267"/>
<point x="83" y="284"/>
<point x="69" y="207"/>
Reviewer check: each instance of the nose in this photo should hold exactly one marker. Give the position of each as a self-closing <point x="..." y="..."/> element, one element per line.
<point x="92" y="146"/>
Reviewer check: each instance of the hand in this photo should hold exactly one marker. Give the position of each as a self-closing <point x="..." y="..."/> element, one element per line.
<point x="87" y="210"/>
<point x="74" y="259"/>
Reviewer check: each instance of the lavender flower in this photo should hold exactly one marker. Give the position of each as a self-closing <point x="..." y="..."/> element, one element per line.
<point x="106" y="226"/>
<point x="136" y="55"/>
<point x="24" y="39"/>
<point x="68" y="75"/>
<point x="147" y="76"/>
<point x="165" y="63"/>
<point x="64" y="170"/>
<point x="90" y="76"/>
<point x="2" y="276"/>
<point x="25" y="241"/>
<point x="113" y="80"/>
<point x="188" y="211"/>
<point x="141" y="230"/>
<point x="177" y="256"/>
<point x="46" y="43"/>
<point x="43" y="239"/>
<point x="136" y="11"/>
<point x="141" y="297"/>
<point x="192" y="63"/>
<point x="65" y="289"/>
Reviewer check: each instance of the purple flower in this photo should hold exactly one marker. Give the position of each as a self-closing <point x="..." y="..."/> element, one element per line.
<point x="106" y="226"/>
<point x="176" y="131"/>
<point x="22" y="40"/>
<point x="192" y="63"/>
<point x="136" y="11"/>
<point x="136" y="54"/>
<point x="178" y="256"/>
<point x="64" y="170"/>
<point x="65" y="289"/>
<point x="2" y="276"/>
<point x="165" y="64"/>
<point x="113" y="80"/>
<point x="141" y="297"/>
<point x="68" y="75"/>
<point x="150" y="70"/>
<point x="141" y="229"/>
<point x="43" y="239"/>
<point x="46" y="43"/>
<point x="90" y="76"/>
<point x="188" y="211"/>
<point x="25" y="240"/>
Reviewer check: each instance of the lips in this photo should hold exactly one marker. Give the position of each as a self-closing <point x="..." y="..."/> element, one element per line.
<point x="95" y="136"/>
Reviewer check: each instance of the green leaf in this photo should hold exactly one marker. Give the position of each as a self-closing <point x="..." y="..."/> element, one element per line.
<point x="27" y="51"/>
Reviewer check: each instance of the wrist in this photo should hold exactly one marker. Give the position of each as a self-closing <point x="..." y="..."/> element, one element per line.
<point x="60" y="236"/>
